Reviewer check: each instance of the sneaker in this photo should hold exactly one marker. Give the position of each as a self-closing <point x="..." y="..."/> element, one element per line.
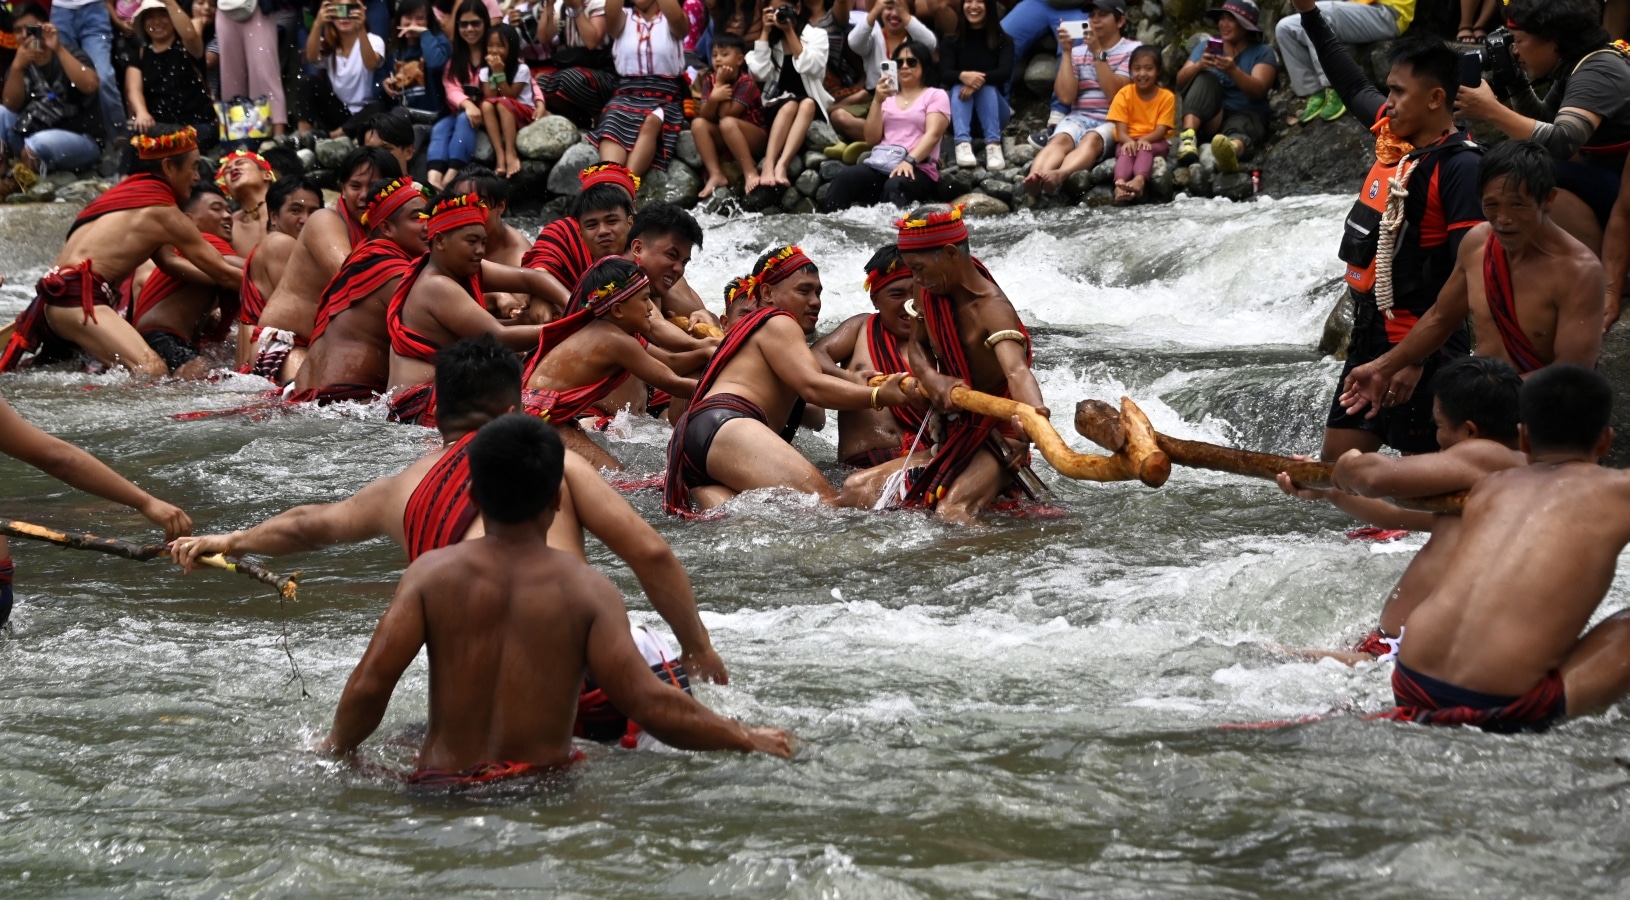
<point x="964" y="156"/>
<point x="1188" y="150"/>
<point x="1223" y="150"/>
<point x="994" y="161"/>
<point x="1333" y="107"/>
<point x="1315" y="105"/>
<point x="853" y="152"/>
<point x="1038" y="139"/>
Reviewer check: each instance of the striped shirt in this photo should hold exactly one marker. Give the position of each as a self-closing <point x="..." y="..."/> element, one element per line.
<point x="1090" y="99"/>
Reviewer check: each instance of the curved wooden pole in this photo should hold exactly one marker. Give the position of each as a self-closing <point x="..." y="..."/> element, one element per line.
<point x="1098" y="422"/>
<point x="698" y="329"/>
<point x="75" y="540"/>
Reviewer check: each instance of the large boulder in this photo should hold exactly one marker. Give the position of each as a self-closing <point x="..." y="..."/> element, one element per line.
<point x="808" y="182"/>
<point x="686" y="151"/>
<point x="1104" y="172"/>
<point x="1233" y="185"/>
<point x="546" y="139"/>
<point x="563" y="177"/>
<point x="1040" y="72"/>
<point x="830" y="168"/>
<point x="977" y="204"/>
<point x="1317" y="158"/>
<point x="1001" y="190"/>
<point x="678" y="184"/>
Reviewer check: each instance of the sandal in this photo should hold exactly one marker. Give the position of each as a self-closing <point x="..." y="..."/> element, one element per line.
<point x="1468" y="37"/>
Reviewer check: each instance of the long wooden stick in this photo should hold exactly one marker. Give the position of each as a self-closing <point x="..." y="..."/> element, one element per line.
<point x="1141" y="462"/>
<point x="285" y="585"/>
<point x="698" y="329"/>
<point x="1098" y="421"/>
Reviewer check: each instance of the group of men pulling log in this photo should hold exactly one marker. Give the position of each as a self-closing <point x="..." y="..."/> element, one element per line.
<point x="438" y="307"/>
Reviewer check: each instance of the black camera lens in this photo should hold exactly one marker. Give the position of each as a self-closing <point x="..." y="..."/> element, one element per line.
<point x="785" y="13"/>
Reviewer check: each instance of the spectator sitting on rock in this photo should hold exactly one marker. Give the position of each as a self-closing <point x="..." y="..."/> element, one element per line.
<point x="1028" y="22"/>
<point x="1099" y="67"/>
<point x="506" y="92"/>
<point x="166" y="80"/>
<point x="1354" y="22"/>
<point x="416" y="59"/>
<point x="87" y="27"/>
<point x="1584" y="120"/>
<point x="790" y="61"/>
<point x="579" y="77"/>
<point x="640" y="126"/>
<point x="731" y="113"/>
<point x="1475" y="16"/>
<point x="393" y="133"/>
<point x="348" y="55"/>
<point x="1225" y="96"/>
<point x="977" y="61"/>
<point x="889" y="24"/>
<point x="1144" y="115"/>
<point x="905" y="125"/>
<point x="51" y="115"/>
<point x="452" y="140"/>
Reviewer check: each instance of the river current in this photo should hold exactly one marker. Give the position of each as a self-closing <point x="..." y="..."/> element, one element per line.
<point x="1030" y="707"/>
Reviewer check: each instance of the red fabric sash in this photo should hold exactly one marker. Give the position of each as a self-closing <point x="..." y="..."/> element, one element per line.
<point x="487" y="773"/>
<point x="251" y="302"/>
<point x="79" y="286"/>
<point x="161" y="284"/>
<point x="1543" y="704"/>
<point x="354" y="230"/>
<point x="368" y="267"/>
<point x="135" y="192"/>
<point x="965" y="434"/>
<point x="414" y="405"/>
<point x="404" y="340"/>
<point x="561" y="251"/>
<point x="676" y="493"/>
<point x="563" y="406"/>
<point x="1502" y="301"/>
<point x="440" y="510"/>
<point x="887" y="359"/>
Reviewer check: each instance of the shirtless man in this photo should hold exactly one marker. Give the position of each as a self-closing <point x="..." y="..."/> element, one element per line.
<point x="865" y="345"/>
<point x="763" y="373"/>
<point x="21" y="441"/>
<point x="506" y="244"/>
<point x="585" y="356"/>
<point x="513" y="627"/>
<point x="325" y="241"/>
<point x="1534" y="292"/>
<point x="288" y="204"/>
<point x="968" y="334"/>
<point x="246" y="177"/>
<point x="132" y="222"/>
<point x="175" y="314"/>
<point x="438" y="301"/>
<point x="477" y="382"/>
<point x="350" y="348"/>
<point x="1498" y="644"/>
<point x="1475" y="405"/>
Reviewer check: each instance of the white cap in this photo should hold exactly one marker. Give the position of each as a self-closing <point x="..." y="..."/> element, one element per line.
<point x="147" y="5"/>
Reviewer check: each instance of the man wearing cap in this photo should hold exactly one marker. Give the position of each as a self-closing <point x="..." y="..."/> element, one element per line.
<point x="968" y="334"/>
<point x="1352" y="22"/>
<point x="1100" y="65"/>
<point x="1225" y="95"/>
<point x="246" y="177"/>
<point x="74" y="299"/>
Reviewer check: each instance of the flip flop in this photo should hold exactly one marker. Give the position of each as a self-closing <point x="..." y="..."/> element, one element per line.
<point x="1467" y="37"/>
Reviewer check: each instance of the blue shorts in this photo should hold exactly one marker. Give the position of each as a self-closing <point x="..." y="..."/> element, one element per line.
<point x="1079" y="125"/>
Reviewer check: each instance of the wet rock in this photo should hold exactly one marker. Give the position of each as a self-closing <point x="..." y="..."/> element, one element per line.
<point x="1018" y="151"/>
<point x="686" y="151"/>
<point x="1153" y="10"/>
<point x="813" y="159"/>
<point x="808" y="182"/>
<point x="1319" y="157"/>
<point x="563" y="177"/>
<point x="60" y="179"/>
<point x="1338" y="328"/>
<point x="332" y="151"/>
<point x="957" y="181"/>
<point x="1104" y="171"/>
<point x="678" y="184"/>
<point x="830" y="168"/>
<point x="978" y="204"/>
<point x="1100" y="195"/>
<point x="43" y="192"/>
<point x="1077" y="184"/>
<point x="1000" y="190"/>
<point x="484" y="154"/>
<point x="820" y="136"/>
<point x="722" y="201"/>
<point x="823" y="190"/>
<point x="81" y="191"/>
<point x="308" y="158"/>
<point x="1233" y="185"/>
<point x="1040" y="72"/>
<point x="795" y="167"/>
<point x="805" y="205"/>
<point x="1160" y="187"/>
<point x="325" y="178"/>
<point x="762" y="200"/>
<point x="790" y="199"/>
<point x="547" y="138"/>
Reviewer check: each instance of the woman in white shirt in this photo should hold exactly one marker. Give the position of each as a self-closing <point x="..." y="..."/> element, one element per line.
<point x="640" y="125"/>
<point x="348" y="55"/>
<point x="789" y="62"/>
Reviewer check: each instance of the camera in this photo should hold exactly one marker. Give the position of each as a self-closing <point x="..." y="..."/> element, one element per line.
<point x="342" y="10"/>
<point x="34" y="31"/>
<point x="1496" y="61"/>
<point x="785" y="15"/>
<point x="529" y="27"/>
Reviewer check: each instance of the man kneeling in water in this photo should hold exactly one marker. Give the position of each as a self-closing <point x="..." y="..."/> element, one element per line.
<point x="1475" y="406"/>
<point x="513" y="626"/>
<point x="1498" y="643"/>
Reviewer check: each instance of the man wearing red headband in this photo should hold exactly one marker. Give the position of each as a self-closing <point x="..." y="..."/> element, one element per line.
<point x="968" y="334"/>
<point x="122" y="228"/>
<point x="246" y="177"/>
<point x="350" y="349"/>
<point x="585" y="356"/>
<point x="439" y="301"/>
<point x="506" y="244"/>
<point x="763" y="373"/>
<point x="866" y="345"/>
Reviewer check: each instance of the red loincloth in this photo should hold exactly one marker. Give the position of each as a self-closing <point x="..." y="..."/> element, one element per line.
<point x="487" y="773"/>
<point x="563" y="406"/>
<point x="1428" y="701"/>
<point x="1502" y="301"/>
<point x="79" y="287"/>
<point x="414" y="405"/>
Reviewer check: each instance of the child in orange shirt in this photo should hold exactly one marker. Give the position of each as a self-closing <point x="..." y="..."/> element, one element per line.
<point x="1144" y="113"/>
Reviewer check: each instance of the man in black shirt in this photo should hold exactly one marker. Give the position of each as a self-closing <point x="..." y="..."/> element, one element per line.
<point x="50" y="114"/>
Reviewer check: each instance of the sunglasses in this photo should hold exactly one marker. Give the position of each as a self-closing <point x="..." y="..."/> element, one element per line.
<point x="470" y="23"/>
<point x="909" y="62"/>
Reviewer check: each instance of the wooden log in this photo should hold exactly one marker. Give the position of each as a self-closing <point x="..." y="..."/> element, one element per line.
<point x="285" y="585"/>
<point x="698" y="329"/>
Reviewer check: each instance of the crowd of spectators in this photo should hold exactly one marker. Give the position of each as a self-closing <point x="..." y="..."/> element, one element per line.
<point x="749" y="78"/>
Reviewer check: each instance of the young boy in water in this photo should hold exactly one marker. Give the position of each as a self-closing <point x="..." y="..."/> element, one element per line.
<point x="1143" y="117"/>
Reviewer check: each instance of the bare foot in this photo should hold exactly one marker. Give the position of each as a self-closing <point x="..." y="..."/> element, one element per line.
<point x="513" y="167"/>
<point x="751" y="182"/>
<point x="713" y="183"/>
<point x="1033" y="184"/>
<point x="781" y="179"/>
<point x="1136" y="185"/>
<point x="1123" y="194"/>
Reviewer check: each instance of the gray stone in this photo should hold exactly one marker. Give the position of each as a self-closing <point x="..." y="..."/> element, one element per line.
<point x="332" y="151"/>
<point x="1208" y="160"/>
<point x="813" y="159"/>
<point x="41" y="193"/>
<point x="821" y="192"/>
<point x="547" y="138"/>
<point x="1151" y="33"/>
<point x="721" y="201"/>
<point x="308" y="158"/>
<point x="795" y="167"/>
<point x="1104" y="172"/>
<point x="1153" y="10"/>
<point x="1338" y="328"/>
<point x="957" y="181"/>
<point x="808" y="182"/>
<point x="1100" y="195"/>
<point x="805" y="205"/>
<point x="325" y="178"/>
<point x="820" y="136"/>
<point x="830" y="168"/>
<point x="1040" y="72"/>
<point x="1001" y="190"/>
<point x="978" y="204"/>
<point x="484" y="154"/>
<point x="791" y="199"/>
<point x="677" y="185"/>
<point x="1160" y="181"/>
<point x="1233" y="185"/>
<point x="1018" y="151"/>
<point x="1077" y="184"/>
<point x="563" y="177"/>
<point x="1184" y="10"/>
<point x="1318" y="158"/>
<point x="82" y="191"/>
<point x="60" y="179"/>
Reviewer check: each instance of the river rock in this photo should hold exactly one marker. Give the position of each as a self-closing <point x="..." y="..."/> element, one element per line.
<point x="830" y="168"/>
<point x="1104" y="172"/>
<point x="1100" y="195"/>
<point x="1040" y="72"/>
<point x="795" y="167"/>
<point x="804" y="205"/>
<point x="807" y="182"/>
<point x="563" y="177"/>
<point x="790" y="199"/>
<point x="824" y="189"/>
<point x="1338" y="328"/>
<point x="813" y="159"/>
<point x="82" y="191"/>
<point x="977" y="204"/>
<point x="308" y="158"/>
<point x="1319" y="157"/>
<point x="332" y="151"/>
<point x="325" y="178"/>
<point x="677" y="185"/>
<point x="1077" y="184"/>
<point x="1159" y="186"/>
<point x="61" y="179"/>
<point x="547" y="138"/>
<point x="484" y="154"/>
<point x="528" y="186"/>
<point x="1233" y="185"/>
<point x="686" y="150"/>
<point x="1000" y="190"/>
<point x="820" y="136"/>
<point x="1153" y="10"/>
<point x="956" y="181"/>
<point x="1018" y="151"/>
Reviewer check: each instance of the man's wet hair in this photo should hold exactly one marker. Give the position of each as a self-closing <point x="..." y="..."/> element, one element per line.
<point x="199" y="191"/>
<point x="1574" y="25"/>
<point x="612" y="269"/>
<point x="1565" y="407"/>
<point x="659" y="219"/>
<point x="492" y="188"/>
<point x="393" y="129"/>
<point x="1482" y="390"/>
<point x="601" y="198"/>
<point x="1431" y="60"/>
<point x="476" y="379"/>
<point x="277" y="196"/>
<point x="384" y="164"/>
<point x="285" y="161"/>
<point x="516" y="463"/>
<point x="1524" y="163"/>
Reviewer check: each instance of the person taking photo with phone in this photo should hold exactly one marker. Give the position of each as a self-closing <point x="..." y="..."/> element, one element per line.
<point x="1225" y="86"/>
<point x="1100" y="66"/>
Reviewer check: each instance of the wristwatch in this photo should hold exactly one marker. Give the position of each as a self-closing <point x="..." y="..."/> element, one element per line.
<point x="1103" y="56"/>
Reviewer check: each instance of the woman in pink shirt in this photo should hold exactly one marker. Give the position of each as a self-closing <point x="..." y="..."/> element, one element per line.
<point x="904" y="125"/>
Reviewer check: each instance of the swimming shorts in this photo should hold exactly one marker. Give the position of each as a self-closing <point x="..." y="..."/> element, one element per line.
<point x="705" y="419"/>
<point x="1427" y="701"/>
<point x="170" y="347"/>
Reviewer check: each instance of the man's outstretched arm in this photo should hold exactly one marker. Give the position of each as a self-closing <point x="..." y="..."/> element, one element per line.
<point x="311" y="527"/>
<point x="368" y="692"/>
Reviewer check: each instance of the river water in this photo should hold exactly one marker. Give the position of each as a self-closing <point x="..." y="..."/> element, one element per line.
<point x="1028" y="707"/>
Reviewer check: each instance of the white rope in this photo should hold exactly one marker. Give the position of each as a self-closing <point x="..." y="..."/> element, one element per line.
<point x="894" y="490"/>
<point x="1392" y="222"/>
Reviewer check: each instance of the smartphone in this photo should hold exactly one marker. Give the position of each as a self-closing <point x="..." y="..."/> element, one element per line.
<point x="1076" y="30"/>
<point x="1471" y="69"/>
<point x="1214" y="46"/>
<point x="342" y="10"/>
<point x="34" y="31"/>
<point x="890" y="69"/>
